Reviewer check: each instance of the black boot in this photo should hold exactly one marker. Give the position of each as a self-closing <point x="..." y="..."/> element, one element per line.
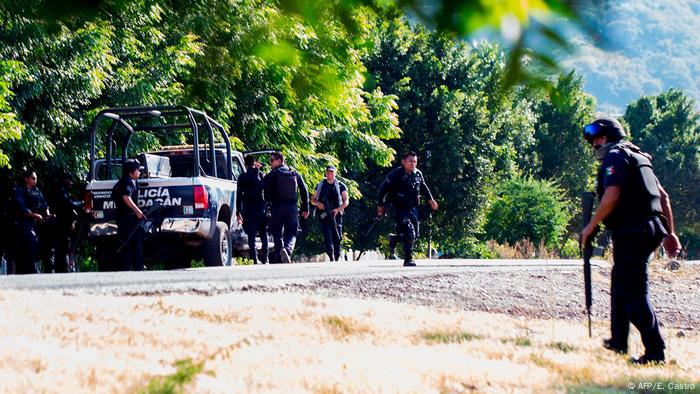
<point x="613" y="345"/>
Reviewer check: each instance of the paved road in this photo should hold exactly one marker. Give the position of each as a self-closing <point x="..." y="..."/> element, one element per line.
<point x="241" y="278"/>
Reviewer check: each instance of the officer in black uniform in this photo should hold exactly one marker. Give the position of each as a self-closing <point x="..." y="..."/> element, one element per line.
<point x="32" y="211"/>
<point x="281" y="186"/>
<point x="128" y="215"/>
<point x="251" y="209"/>
<point x="66" y="209"/>
<point x="637" y="210"/>
<point x="404" y="187"/>
<point x="7" y="222"/>
<point x="330" y="199"/>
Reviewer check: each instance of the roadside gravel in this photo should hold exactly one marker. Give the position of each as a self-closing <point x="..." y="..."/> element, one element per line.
<point x="528" y="292"/>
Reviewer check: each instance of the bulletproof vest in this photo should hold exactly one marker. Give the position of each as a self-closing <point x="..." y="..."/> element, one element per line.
<point x="640" y="198"/>
<point x="285" y="185"/>
<point x="329" y="194"/>
<point x="406" y="189"/>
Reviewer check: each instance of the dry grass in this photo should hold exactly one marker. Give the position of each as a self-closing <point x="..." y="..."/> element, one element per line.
<point x="283" y="343"/>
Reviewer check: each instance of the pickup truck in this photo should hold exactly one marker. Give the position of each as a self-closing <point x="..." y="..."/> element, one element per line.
<point x="193" y="182"/>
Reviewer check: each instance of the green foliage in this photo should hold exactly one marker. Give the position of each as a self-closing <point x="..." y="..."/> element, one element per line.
<point x="10" y="127"/>
<point x="560" y="152"/>
<point x="525" y="208"/>
<point x="453" y="114"/>
<point x="186" y="371"/>
<point x="570" y="249"/>
<point x="667" y="126"/>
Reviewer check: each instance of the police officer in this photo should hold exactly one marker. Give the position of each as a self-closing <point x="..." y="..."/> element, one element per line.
<point x="403" y="188"/>
<point x="128" y="215"/>
<point x="637" y="211"/>
<point x="330" y="199"/>
<point x="66" y="209"/>
<point x="281" y="186"/>
<point x="7" y="222"/>
<point x="251" y="210"/>
<point x="32" y="211"/>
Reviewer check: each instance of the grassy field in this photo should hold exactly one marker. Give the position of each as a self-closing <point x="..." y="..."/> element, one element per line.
<point x="292" y="343"/>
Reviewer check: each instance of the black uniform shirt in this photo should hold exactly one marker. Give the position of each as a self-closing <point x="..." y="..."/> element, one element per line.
<point x="403" y="189"/>
<point x="250" y="193"/>
<point x="66" y="207"/>
<point x="125" y="187"/>
<point x="29" y="200"/>
<point x="329" y="193"/>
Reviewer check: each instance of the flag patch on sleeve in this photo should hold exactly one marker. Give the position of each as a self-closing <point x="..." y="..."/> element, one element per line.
<point x="610" y="170"/>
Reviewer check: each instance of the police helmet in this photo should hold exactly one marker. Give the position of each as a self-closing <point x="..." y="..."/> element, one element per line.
<point x="604" y="126"/>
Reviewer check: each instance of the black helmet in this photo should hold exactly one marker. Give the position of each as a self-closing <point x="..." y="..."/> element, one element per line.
<point x="604" y="126"/>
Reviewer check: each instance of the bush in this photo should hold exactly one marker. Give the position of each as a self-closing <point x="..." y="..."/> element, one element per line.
<point x="525" y="208"/>
<point x="570" y="249"/>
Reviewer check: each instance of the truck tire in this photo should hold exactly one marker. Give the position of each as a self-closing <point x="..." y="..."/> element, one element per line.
<point x="217" y="250"/>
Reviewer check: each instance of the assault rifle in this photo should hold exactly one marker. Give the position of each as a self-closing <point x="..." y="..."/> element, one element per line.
<point x="146" y="224"/>
<point x="327" y="213"/>
<point x="587" y="253"/>
<point x="374" y="224"/>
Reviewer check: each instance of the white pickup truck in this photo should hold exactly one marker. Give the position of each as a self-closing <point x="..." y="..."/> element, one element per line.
<point x="194" y="183"/>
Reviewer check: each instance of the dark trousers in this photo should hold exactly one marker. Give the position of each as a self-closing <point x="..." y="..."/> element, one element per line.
<point x="284" y="225"/>
<point x="131" y="255"/>
<point x="332" y="228"/>
<point x="407" y="229"/>
<point x="62" y="245"/>
<point x="27" y="251"/>
<point x="255" y="222"/>
<point x="629" y="295"/>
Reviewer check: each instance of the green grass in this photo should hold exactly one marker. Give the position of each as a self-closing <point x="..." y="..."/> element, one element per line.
<point x="639" y="385"/>
<point x="561" y="346"/>
<point x="243" y="261"/>
<point x="448" y="337"/>
<point x="197" y="264"/>
<point x="343" y="327"/>
<point x="186" y="371"/>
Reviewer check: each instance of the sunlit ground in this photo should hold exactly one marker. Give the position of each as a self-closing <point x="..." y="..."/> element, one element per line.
<point x="288" y="343"/>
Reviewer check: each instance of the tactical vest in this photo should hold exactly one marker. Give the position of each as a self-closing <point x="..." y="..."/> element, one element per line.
<point x="405" y="191"/>
<point x="285" y="185"/>
<point x="640" y="198"/>
<point x="324" y="190"/>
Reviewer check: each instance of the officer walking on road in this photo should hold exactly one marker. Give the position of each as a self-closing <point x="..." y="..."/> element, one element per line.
<point x="281" y="186"/>
<point x="128" y="215"/>
<point x="403" y="187"/>
<point x="32" y="212"/>
<point x="251" y="209"/>
<point x="66" y="209"/>
<point x="637" y="210"/>
<point x="330" y="200"/>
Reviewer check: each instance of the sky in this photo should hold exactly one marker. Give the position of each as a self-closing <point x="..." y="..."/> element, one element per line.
<point x="654" y="45"/>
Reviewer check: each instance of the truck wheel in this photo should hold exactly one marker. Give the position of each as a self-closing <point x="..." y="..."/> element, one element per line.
<point x="217" y="250"/>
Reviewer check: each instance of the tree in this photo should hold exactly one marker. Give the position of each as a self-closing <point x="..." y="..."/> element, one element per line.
<point x="667" y="126"/>
<point x="453" y="114"/>
<point x="560" y="152"/>
<point x="526" y="208"/>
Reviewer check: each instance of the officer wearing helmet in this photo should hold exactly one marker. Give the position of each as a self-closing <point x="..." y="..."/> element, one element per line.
<point x="637" y="211"/>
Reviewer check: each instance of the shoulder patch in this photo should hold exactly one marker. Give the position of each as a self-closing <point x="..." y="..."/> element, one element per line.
<point x="610" y="171"/>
